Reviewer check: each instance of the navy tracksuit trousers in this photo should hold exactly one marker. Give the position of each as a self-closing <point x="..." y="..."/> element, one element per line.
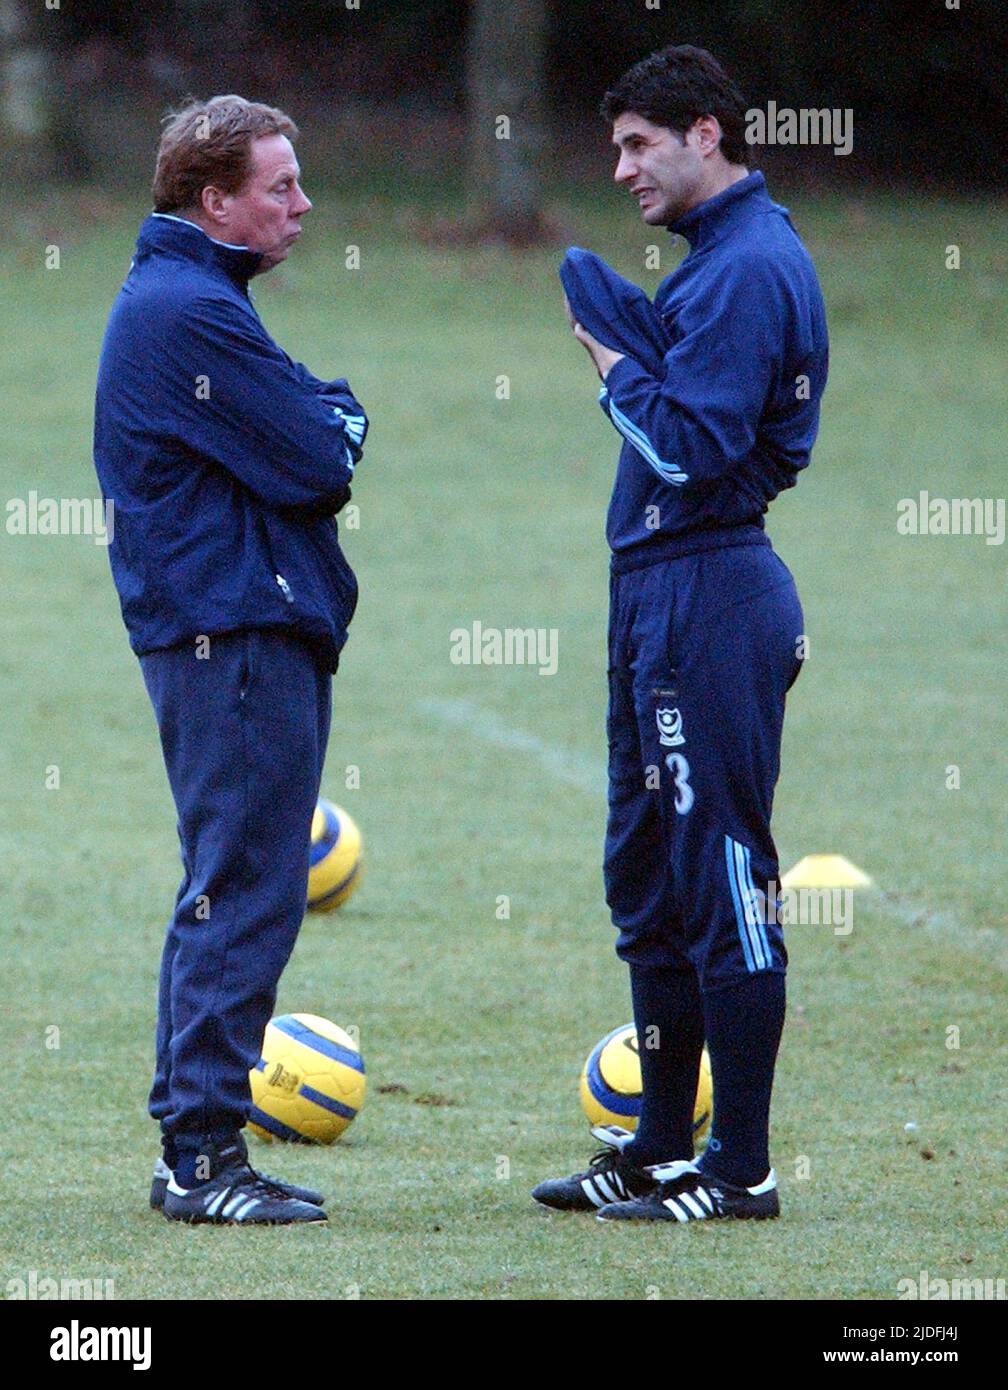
<point x="244" y="732"/>
<point x="702" y="651"/>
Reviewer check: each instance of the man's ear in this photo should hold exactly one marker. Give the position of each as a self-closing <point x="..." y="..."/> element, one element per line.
<point x="215" y="202"/>
<point x="708" y="133"/>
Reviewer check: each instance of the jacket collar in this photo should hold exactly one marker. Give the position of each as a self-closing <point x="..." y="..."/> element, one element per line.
<point x="165" y="232"/>
<point x="707" y="221"/>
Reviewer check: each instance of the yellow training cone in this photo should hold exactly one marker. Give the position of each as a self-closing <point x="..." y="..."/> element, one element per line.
<point x="825" y="871"/>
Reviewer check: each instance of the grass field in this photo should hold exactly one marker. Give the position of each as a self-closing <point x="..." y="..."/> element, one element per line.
<point x="472" y="508"/>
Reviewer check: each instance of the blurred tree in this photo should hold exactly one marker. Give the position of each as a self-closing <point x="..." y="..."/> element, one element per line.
<point x="505" y="67"/>
<point x="27" y="82"/>
<point x="48" y="78"/>
<point x="924" y="81"/>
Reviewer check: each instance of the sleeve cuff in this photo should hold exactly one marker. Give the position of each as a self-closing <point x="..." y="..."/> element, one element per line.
<point x="625" y="373"/>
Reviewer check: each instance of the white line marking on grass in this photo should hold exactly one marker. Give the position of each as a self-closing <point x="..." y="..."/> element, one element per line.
<point x="573" y="768"/>
<point x="942" y="925"/>
<point x="946" y="926"/>
<point x="588" y="775"/>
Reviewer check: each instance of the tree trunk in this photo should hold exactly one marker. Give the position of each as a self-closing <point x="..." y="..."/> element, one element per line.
<point x="505" y="65"/>
<point x="40" y="117"/>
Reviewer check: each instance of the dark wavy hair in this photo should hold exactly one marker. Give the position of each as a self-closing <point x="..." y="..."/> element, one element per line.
<point x="674" y="88"/>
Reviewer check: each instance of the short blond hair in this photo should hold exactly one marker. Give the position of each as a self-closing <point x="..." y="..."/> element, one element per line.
<point x="210" y="142"/>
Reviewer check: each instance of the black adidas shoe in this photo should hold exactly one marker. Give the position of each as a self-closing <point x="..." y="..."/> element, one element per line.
<point x="682" y="1193"/>
<point x="236" y="1195"/>
<point x="162" y="1173"/>
<point x="609" y="1178"/>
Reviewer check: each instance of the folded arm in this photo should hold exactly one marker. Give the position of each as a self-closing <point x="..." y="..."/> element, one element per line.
<point x="260" y="417"/>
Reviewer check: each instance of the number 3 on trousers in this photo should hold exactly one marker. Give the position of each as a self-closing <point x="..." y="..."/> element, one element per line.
<point x="680" y="769"/>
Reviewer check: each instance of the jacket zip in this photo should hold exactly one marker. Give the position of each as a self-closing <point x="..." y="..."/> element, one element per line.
<point x="285" y="588"/>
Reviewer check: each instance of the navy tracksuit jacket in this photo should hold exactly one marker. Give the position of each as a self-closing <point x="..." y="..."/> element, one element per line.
<point x="225" y="462"/>
<point x="717" y="400"/>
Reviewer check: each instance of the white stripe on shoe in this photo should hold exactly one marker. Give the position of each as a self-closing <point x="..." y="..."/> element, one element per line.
<point x="214" y="1201"/>
<point x="238" y="1200"/>
<point x="691" y="1203"/>
<point x="588" y="1188"/>
<point x="677" y="1211"/>
<point x="603" y="1187"/>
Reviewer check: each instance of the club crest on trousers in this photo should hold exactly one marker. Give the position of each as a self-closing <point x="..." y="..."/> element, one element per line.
<point x="670" y="733"/>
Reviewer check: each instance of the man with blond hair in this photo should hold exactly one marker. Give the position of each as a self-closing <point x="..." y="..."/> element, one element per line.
<point x="226" y="463"/>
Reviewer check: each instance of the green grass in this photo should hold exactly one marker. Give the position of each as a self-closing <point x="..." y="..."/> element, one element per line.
<point x="473" y="507"/>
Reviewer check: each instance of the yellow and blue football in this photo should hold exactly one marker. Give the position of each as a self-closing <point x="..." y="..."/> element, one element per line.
<point x="611" y="1085"/>
<point x="336" y="861"/>
<point x="309" y="1083"/>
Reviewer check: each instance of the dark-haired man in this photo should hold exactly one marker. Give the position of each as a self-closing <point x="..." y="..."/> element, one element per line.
<point x="226" y="462"/>
<point x="705" y="634"/>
